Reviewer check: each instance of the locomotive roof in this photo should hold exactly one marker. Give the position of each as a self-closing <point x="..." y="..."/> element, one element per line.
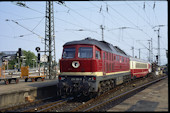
<point x="101" y="44"/>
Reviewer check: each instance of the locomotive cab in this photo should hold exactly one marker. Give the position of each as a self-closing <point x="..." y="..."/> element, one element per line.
<point x="79" y="67"/>
<point x="80" y="58"/>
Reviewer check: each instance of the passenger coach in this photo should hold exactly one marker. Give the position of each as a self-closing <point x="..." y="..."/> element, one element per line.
<point x="139" y="68"/>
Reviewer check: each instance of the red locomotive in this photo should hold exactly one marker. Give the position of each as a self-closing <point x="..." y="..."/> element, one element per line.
<point x="92" y="66"/>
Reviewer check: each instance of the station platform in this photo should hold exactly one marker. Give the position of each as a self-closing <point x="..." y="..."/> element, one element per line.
<point x="13" y="93"/>
<point x="153" y="98"/>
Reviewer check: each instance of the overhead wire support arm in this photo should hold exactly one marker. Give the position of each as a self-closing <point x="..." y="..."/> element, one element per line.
<point x="25" y="28"/>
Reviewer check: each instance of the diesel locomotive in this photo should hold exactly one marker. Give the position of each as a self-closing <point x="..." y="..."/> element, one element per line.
<point x="90" y="66"/>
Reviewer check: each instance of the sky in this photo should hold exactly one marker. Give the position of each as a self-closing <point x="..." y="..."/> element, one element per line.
<point x="126" y="24"/>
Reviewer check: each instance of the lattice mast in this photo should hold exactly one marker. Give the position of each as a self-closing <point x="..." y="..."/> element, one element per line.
<point x="50" y="39"/>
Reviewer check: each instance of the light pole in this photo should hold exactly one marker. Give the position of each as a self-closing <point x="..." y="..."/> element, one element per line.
<point x="23" y="60"/>
<point x="33" y="62"/>
<point x="36" y="64"/>
<point x="159" y="61"/>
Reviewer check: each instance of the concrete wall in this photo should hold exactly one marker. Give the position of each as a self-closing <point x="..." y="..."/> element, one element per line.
<point x="18" y="97"/>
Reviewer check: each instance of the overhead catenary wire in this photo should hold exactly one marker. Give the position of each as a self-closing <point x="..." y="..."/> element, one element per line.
<point x="20" y="38"/>
<point x="129" y="45"/>
<point x="81" y="15"/>
<point x="132" y="28"/>
<point x="25" y="28"/>
<point x="38" y="23"/>
<point x="27" y="18"/>
<point x="128" y="20"/>
<point x="139" y="14"/>
<point x="80" y="24"/>
<point x="57" y="19"/>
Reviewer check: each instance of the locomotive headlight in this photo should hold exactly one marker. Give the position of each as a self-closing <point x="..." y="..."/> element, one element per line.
<point x="75" y="64"/>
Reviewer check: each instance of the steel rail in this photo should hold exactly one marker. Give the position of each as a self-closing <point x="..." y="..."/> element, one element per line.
<point x="121" y="95"/>
<point x="48" y="106"/>
<point x="103" y="95"/>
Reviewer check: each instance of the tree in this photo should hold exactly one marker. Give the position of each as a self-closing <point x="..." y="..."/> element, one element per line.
<point x="28" y="62"/>
<point x="29" y="56"/>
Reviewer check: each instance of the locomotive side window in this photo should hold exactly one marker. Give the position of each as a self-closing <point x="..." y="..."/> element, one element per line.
<point x="112" y="57"/>
<point x="103" y="55"/>
<point x="85" y="52"/>
<point x="106" y="56"/>
<point x="97" y="55"/>
<point x="69" y="53"/>
<point x="109" y="56"/>
<point x="122" y="59"/>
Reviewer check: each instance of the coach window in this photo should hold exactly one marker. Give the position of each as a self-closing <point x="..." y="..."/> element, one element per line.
<point x="97" y="55"/>
<point x="85" y="52"/>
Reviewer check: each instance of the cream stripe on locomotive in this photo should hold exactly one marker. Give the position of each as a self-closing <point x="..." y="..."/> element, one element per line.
<point x="117" y="72"/>
<point x="91" y="73"/>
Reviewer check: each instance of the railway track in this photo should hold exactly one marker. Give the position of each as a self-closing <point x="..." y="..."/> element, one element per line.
<point x="48" y="106"/>
<point x="80" y="103"/>
<point x="97" y="105"/>
<point x="65" y="104"/>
